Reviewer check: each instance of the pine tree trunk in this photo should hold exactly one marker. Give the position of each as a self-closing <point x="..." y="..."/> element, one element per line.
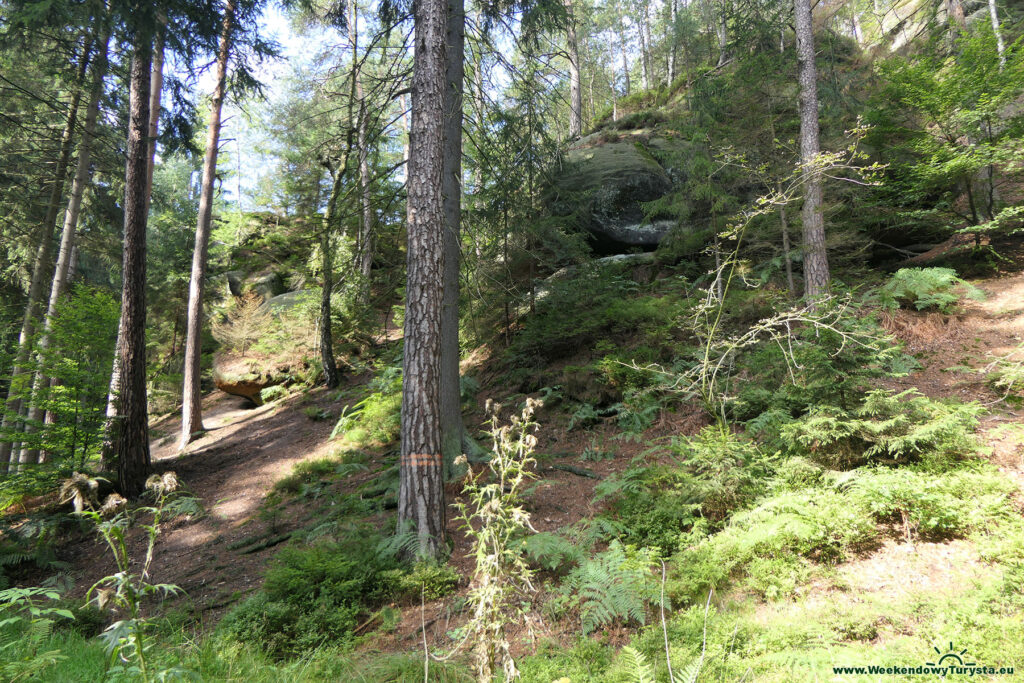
<point x="41" y="384"/>
<point x="130" y="422"/>
<point x="12" y="420"/>
<point x="672" y="40"/>
<point x="108" y="456"/>
<point x="156" y="87"/>
<point x="191" y="394"/>
<point x="364" y="254"/>
<point x="575" y="88"/>
<point x="327" y="361"/>
<point x="451" y="397"/>
<point x="722" y="31"/>
<point x="816" y="272"/>
<point x="421" y="505"/>
<point x="648" y="45"/>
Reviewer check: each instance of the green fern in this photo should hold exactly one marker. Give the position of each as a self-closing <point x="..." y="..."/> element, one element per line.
<point x="633" y="666"/>
<point x="633" y="480"/>
<point x="689" y="673"/>
<point x="615" y="585"/>
<point x="924" y="288"/>
<point x="890" y="426"/>
<point x="551" y="551"/>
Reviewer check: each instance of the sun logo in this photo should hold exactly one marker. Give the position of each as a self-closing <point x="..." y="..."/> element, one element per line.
<point x="950" y="657"/>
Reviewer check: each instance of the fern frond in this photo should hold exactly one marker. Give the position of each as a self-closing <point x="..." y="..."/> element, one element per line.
<point x="635" y="665"/>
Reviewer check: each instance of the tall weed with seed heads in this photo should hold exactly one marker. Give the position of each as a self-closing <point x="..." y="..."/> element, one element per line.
<point x="126" y="590"/>
<point x="495" y="522"/>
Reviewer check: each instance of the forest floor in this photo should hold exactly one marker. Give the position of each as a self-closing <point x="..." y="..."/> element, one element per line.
<point x="233" y="467"/>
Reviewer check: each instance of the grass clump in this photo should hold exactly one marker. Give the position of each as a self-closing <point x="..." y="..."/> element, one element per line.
<point x="304" y="474"/>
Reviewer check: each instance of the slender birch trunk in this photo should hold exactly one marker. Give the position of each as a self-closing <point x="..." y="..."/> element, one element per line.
<point x="993" y="14"/>
<point x="625" y="62"/>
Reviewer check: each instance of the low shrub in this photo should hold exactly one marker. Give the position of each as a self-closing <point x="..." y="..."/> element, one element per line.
<point x="928" y="505"/>
<point x="320" y="592"/>
<point x="772" y="545"/>
<point x="716" y="472"/>
<point x="428" y="580"/>
<point x="889" y="427"/>
<point x="817" y="367"/>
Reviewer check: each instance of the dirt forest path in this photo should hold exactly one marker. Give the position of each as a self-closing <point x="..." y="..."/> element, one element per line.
<point x="956" y="350"/>
<point x="231" y="468"/>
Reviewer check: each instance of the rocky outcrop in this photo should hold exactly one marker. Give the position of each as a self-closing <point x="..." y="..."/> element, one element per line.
<point x="605" y="185"/>
<point x="285" y="302"/>
<point x="267" y="285"/>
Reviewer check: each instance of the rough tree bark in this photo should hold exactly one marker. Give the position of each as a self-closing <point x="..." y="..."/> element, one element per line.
<point x="43" y="238"/>
<point x="575" y="89"/>
<point x="191" y="395"/>
<point x="421" y="505"/>
<point x="156" y="87"/>
<point x="451" y="403"/>
<point x="40" y="385"/>
<point x="816" y="272"/>
<point x="130" y="437"/>
<point x="107" y="453"/>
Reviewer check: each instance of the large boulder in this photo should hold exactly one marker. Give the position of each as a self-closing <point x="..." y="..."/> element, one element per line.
<point x="611" y="180"/>
<point x="239" y="377"/>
